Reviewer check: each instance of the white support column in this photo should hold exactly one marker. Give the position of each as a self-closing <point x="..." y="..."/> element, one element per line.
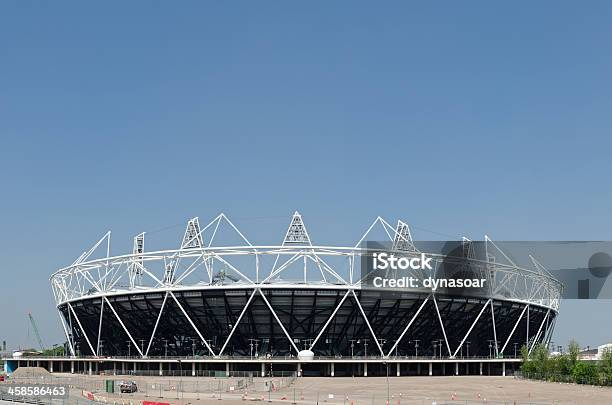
<point x="418" y="368"/>
<point x="527" y="341"/>
<point x="263" y="370"/>
<point x="513" y="329"/>
<point x="550" y="329"/>
<point x="430" y="369"/>
<point x="82" y="330"/>
<point x="457" y="368"/>
<point x="62" y="366"/>
<point x="100" y="328"/>
<point x="332" y="369"/>
<point x="161" y="311"/>
<point x="299" y="369"/>
<point x="397" y="366"/>
<point x="504" y="368"/>
<point x="227" y="369"/>
<point x="68" y="335"/>
<point x="481" y="368"/>
<point x="72" y="367"/>
<point x="365" y="369"/>
<point x="537" y="335"/>
<point x="442" y="327"/>
<point x="193" y="369"/>
<point x="331" y="317"/>
<point x="263" y="296"/>
<point x="494" y="330"/>
<point x="237" y="321"/>
<point x="443" y="368"/>
<point x="408" y="326"/>
<point x="114" y="368"/>
<point x="123" y="367"/>
<point x="365" y="318"/>
<point x="90" y="371"/>
<point x="471" y="327"/>
<point x="51" y="366"/>
<point x="161" y="369"/>
<point x="134" y="368"/>
<point x="123" y="326"/>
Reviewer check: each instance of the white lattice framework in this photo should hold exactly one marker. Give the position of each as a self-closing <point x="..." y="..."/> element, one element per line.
<point x="200" y="264"/>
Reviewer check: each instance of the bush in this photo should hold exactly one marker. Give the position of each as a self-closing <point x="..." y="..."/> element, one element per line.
<point x="560" y="365"/>
<point x="585" y="373"/>
<point x="528" y="367"/>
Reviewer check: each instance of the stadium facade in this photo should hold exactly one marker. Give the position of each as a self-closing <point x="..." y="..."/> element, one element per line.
<point x="240" y="304"/>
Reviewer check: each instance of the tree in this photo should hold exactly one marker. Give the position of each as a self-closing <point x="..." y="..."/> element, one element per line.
<point x="605" y="365"/>
<point x="540" y="365"/>
<point x="55" y="351"/>
<point x="537" y="364"/>
<point x="573" y="352"/>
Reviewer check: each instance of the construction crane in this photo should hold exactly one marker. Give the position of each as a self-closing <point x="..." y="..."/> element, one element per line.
<point x="40" y="342"/>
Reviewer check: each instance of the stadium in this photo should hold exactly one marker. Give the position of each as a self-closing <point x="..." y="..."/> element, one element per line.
<point x="226" y="304"/>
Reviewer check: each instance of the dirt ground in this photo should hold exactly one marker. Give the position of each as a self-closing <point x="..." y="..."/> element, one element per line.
<point x="373" y="391"/>
<point x="470" y="389"/>
<point x="340" y="391"/>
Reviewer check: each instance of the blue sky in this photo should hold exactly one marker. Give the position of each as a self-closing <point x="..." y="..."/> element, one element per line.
<point x="461" y="118"/>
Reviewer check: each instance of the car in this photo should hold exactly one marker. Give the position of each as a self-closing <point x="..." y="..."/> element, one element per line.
<point x="128" y="386"/>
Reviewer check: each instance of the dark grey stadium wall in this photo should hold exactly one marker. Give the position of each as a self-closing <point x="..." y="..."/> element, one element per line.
<point x="303" y="313"/>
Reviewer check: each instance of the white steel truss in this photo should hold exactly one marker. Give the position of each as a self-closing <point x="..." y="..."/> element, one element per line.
<point x="208" y="266"/>
<point x="137" y="266"/>
<point x="297" y="231"/>
<point x="403" y="238"/>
